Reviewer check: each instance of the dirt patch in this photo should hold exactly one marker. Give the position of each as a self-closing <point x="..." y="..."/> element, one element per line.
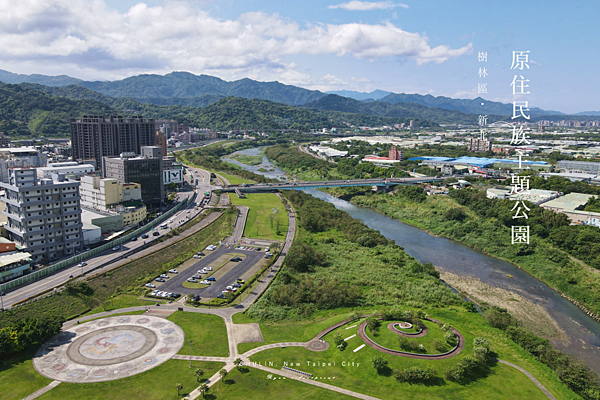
<point x="247" y="333"/>
<point x="533" y="316"/>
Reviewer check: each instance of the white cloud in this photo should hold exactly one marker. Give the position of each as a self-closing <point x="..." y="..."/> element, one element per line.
<point x="356" y="5"/>
<point x="89" y="40"/>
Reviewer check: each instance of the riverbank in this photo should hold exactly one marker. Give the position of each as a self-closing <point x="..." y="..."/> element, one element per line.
<point x="572" y="280"/>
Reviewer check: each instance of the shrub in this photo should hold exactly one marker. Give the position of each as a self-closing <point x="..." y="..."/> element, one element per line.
<point x="373" y="325"/>
<point x="415" y="374"/>
<point x="404" y="343"/>
<point x="450" y="338"/>
<point x="339" y="341"/>
<point x="440" y="346"/>
<point x="379" y="363"/>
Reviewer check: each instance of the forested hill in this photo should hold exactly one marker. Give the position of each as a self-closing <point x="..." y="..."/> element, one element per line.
<point x="400" y="110"/>
<point x="30" y="112"/>
<point x="26" y="110"/>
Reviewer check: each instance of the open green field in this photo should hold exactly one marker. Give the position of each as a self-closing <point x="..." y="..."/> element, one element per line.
<point x="267" y="218"/>
<point x="233" y="180"/>
<point x="155" y="384"/>
<point x="18" y="378"/>
<point x="496" y="382"/>
<point x="470" y="325"/>
<point x="207" y="333"/>
<point x="297" y="331"/>
<point x="254" y="384"/>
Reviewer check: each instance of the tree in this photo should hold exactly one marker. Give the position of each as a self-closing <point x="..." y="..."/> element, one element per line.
<point x="238" y="363"/>
<point x="379" y="363"/>
<point x="204" y="389"/>
<point x="223" y="373"/>
<point x="198" y="373"/>
<point x="179" y="387"/>
<point x="340" y="343"/>
<point x="373" y="324"/>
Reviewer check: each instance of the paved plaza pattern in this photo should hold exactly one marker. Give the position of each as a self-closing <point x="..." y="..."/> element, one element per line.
<point x="109" y="348"/>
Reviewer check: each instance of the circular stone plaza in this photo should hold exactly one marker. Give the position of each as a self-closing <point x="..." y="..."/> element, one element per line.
<point x="109" y="348"/>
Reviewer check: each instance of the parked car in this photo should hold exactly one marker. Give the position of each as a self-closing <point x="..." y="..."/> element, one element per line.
<point x="211" y="278"/>
<point x="159" y="280"/>
<point x="205" y="282"/>
<point x="192" y="280"/>
<point x="237" y="285"/>
<point x="201" y="253"/>
<point x="229" y="288"/>
<point x="196" y="256"/>
<point x="164" y="276"/>
<point x="173" y="271"/>
<point x="150" y="285"/>
<point x="236" y="259"/>
<point x="202" y="271"/>
<point x="267" y="248"/>
<point x="197" y="276"/>
<point x="208" y="268"/>
<point x="241" y="281"/>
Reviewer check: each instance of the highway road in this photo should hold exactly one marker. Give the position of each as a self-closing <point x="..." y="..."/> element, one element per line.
<point x="107" y="258"/>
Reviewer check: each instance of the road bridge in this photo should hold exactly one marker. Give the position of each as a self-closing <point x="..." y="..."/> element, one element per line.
<point x="381" y="182"/>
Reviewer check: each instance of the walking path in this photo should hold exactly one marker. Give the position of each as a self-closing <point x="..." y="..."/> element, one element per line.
<point x="43" y="390"/>
<point x="315" y="344"/>
<point x="531" y="377"/>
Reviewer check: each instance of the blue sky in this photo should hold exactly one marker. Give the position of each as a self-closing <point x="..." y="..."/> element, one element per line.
<point x="426" y="47"/>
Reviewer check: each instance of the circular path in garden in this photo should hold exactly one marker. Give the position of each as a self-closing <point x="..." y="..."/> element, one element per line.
<point x="108" y="349"/>
<point x="392" y="327"/>
<point x="456" y="351"/>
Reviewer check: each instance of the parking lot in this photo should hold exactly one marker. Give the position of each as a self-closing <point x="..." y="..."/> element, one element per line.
<point x="175" y="283"/>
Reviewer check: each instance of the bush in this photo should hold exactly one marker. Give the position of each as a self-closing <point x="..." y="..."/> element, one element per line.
<point x="373" y="325"/>
<point x="499" y="318"/>
<point x="404" y="343"/>
<point x="379" y="363"/>
<point x="415" y="374"/>
<point x="463" y="370"/>
<point x="340" y="343"/>
<point x="450" y="338"/>
<point x="456" y="214"/>
<point x="440" y="346"/>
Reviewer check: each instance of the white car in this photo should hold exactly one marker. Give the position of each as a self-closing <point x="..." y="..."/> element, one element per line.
<point x="151" y="285"/>
<point x="173" y="271"/>
<point x="192" y="280"/>
<point x="196" y="256"/>
<point x="208" y="268"/>
<point x="116" y="248"/>
<point x="170" y="221"/>
<point x="229" y="288"/>
<point x="205" y="282"/>
<point x="267" y="249"/>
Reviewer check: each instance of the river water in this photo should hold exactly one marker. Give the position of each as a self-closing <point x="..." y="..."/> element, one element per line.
<point x="583" y="332"/>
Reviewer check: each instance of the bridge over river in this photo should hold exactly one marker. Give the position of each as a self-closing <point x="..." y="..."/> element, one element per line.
<point x="380" y="182"/>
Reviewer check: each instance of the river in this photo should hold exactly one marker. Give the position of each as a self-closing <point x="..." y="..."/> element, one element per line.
<point x="583" y="332"/>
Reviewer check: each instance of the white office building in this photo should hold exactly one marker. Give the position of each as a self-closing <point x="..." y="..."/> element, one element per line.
<point x="44" y="216"/>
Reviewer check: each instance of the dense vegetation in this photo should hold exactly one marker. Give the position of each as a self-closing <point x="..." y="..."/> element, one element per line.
<point x="28" y="334"/>
<point x="210" y="157"/>
<point x="414" y="111"/>
<point x="571" y="372"/>
<point x="337" y="261"/>
<point x="289" y="158"/>
<point x="25" y="111"/>
<point x="484" y="224"/>
<point x="35" y="109"/>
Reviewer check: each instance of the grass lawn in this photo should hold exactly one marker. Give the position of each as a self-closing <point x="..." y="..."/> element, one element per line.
<point x="122" y="301"/>
<point x="267" y="218"/>
<point x="140" y="312"/>
<point x="18" y="378"/>
<point x="156" y="384"/>
<point x="255" y="385"/>
<point x="288" y="331"/>
<point x="496" y="382"/>
<point x="233" y="180"/>
<point x="207" y="333"/>
<point x="389" y="339"/>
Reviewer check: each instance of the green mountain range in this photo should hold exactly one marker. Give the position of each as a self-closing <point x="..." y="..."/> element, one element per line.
<point x="36" y="110"/>
<point x="401" y="110"/>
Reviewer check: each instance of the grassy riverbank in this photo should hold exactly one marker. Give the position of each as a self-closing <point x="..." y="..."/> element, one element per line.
<point x="488" y="235"/>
